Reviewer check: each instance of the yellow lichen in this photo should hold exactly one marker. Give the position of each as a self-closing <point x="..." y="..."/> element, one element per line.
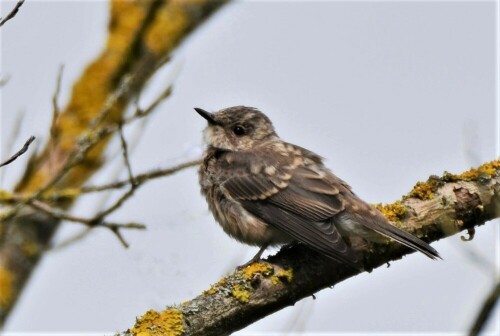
<point x="164" y="34"/>
<point x="257" y="267"/>
<point x="487" y="170"/>
<point x="215" y="287"/>
<point x="240" y="293"/>
<point x="6" y="287"/>
<point x="394" y="212"/>
<point x="283" y="275"/>
<point x="168" y="322"/>
<point x="67" y="193"/>
<point x="424" y="190"/>
<point x="5" y="196"/>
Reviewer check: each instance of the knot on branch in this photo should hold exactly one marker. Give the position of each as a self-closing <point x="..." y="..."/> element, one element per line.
<point x="468" y="207"/>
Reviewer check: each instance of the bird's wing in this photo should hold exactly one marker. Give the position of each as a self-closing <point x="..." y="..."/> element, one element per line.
<point x="291" y="197"/>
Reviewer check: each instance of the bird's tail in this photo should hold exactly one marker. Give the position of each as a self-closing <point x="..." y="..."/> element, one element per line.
<point x="407" y="239"/>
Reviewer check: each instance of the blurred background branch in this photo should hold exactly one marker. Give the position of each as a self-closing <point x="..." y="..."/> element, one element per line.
<point x="486" y="310"/>
<point x="141" y="35"/>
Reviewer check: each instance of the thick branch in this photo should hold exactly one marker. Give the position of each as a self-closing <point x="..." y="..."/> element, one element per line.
<point x="433" y="210"/>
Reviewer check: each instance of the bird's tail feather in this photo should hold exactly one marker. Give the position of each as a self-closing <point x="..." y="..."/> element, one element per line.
<point x="409" y="240"/>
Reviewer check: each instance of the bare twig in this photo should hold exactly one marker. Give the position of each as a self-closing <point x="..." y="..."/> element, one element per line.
<point x="96" y="221"/>
<point x="55" y="106"/>
<point x="20" y="152"/>
<point x="118" y="235"/>
<point x="125" y="155"/>
<point x="12" y="13"/>
<point x="141" y="113"/>
<point x="92" y="222"/>
<point x="12" y="137"/>
<point x="79" y="152"/>
<point x="54" y="134"/>
<point x="486" y="310"/>
<point x="71" y="240"/>
<point x="140" y="179"/>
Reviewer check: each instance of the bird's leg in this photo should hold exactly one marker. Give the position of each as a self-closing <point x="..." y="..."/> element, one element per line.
<point x="255" y="257"/>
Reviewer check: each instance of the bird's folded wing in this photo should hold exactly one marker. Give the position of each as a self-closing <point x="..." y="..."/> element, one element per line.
<point x="301" y="203"/>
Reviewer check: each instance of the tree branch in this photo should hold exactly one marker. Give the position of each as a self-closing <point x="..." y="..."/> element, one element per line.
<point x="433" y="210"/>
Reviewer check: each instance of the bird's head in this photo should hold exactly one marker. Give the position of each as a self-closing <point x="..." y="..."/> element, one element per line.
<point x="237" y="128"/>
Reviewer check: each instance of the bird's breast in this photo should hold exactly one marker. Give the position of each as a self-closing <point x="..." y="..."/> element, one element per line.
<point x="233" y="218"/>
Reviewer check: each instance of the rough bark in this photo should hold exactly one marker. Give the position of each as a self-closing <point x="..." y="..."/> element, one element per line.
<point x="141" y="35"/>
<point x="438" y="208"/>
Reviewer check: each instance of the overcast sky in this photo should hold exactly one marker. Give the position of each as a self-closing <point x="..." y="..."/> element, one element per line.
<point x="388" y="92"/>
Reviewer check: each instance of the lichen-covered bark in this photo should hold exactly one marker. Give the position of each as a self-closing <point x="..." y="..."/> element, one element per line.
<point x="140" y="35"/>
<point x="450" y="204"/>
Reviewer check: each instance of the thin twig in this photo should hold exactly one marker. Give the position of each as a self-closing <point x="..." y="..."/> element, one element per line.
<point x="141" y="178"/>
<point x="141" y="113"/>
<point x="85" y="143"/>
<point x="123" y="198"/>
<point x="13" y="137"/>
<point x="92" y="222"/>
<point x="55" y="106"/>
<point x="486" y="310"/>
<point x="20" y="152"/>
<point x="120" y="237"/>
<point x="12" y="13"/>
<point x="71" y="240"/>
<point x="125" y="155"/>
<point x="54" y="133"/>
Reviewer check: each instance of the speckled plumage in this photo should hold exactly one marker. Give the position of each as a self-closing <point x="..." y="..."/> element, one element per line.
<point x="264" y="191"/>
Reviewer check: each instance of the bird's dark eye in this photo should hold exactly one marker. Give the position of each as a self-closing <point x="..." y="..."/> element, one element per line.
<point x="239" y="130"/>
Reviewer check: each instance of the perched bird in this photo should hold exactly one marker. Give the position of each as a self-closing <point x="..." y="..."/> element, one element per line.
<point x="264" y="191"/>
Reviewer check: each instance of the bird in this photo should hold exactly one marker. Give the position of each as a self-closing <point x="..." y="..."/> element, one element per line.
<point x="264" y="191"/>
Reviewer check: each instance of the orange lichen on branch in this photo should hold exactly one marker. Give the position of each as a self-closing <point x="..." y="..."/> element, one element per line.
<point x="425" y="190"/>
<point x="257" y="267"/>
<point x="169" y="322"/>
<point x="394" y="212"/>
<point x="170" y="19"/>
<point x="241" y="293"/>
<point x="487" y="171"/>
<point x="215" y="287"/>
<point x="285" y="275"/>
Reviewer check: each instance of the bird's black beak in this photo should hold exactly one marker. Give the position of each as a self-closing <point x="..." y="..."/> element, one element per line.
<point x="207" y="115"/>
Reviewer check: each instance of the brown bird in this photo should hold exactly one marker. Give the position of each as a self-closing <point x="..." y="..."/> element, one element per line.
<point x="264" y="191"/>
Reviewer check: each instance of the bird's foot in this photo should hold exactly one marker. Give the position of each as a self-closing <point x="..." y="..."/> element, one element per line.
<point x="256" y="258"/>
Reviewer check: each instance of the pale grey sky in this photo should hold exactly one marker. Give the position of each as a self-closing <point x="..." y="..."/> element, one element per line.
<point x="388" y="92"/>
